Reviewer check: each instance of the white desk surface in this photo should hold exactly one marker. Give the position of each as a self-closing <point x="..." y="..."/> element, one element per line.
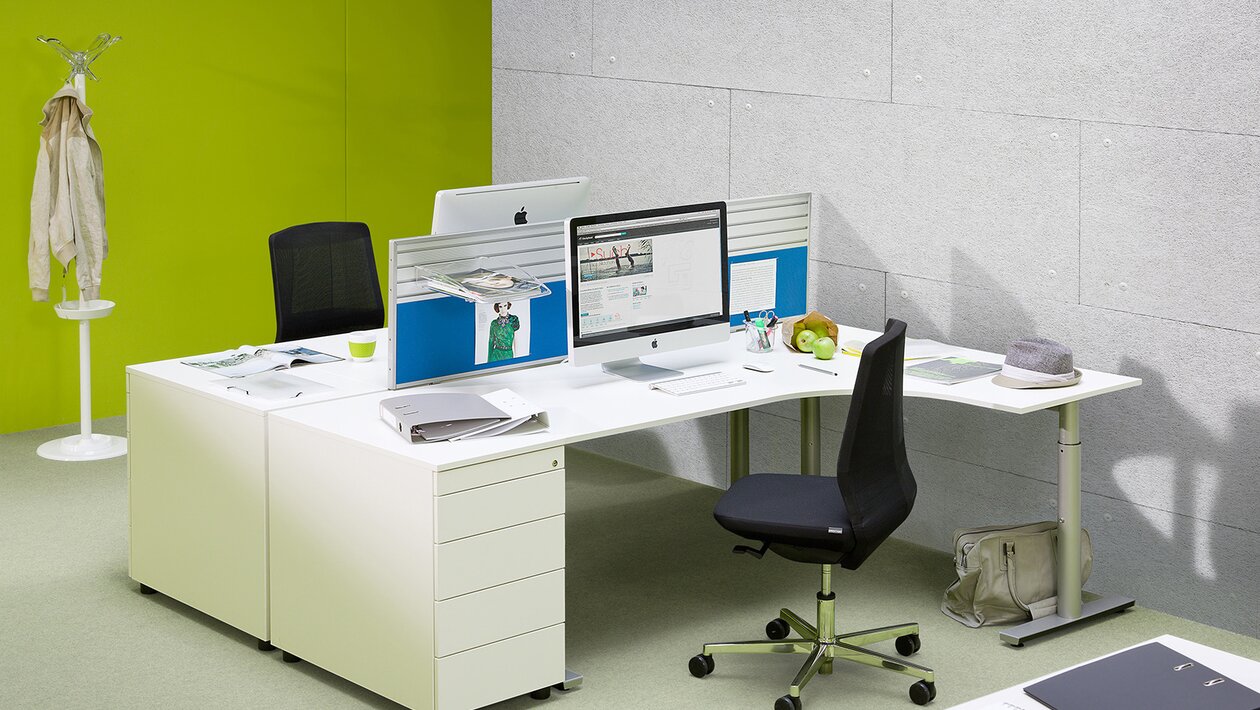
<point x="1243" y="670"/>
<point x="345" y="377"/>
<point x="585" y="403"/>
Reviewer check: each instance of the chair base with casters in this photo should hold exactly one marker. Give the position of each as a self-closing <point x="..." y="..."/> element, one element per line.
<point x="822" y="646"/>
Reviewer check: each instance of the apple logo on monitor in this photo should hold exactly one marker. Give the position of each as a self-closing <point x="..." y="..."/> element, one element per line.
<point x="654" y="342"/>
<point x="520" y="216"/>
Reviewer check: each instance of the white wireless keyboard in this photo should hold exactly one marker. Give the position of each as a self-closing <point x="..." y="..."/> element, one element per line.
<point x="692" y="384"/>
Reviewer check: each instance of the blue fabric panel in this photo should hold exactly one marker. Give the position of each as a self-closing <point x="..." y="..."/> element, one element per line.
<point x="436" y="336"/>
<point x="792" y="274"/>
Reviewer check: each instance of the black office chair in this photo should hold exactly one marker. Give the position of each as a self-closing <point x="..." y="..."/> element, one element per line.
<point x="825" y="521"/>
<point x="325" y="280"/>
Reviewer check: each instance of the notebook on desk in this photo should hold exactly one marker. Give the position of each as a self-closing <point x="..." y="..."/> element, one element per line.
<point x="1149" y="677"/>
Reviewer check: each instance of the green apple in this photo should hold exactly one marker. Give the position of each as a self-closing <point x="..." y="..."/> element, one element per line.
<point x="824" y="348"/>
<point x="805" y="340"/>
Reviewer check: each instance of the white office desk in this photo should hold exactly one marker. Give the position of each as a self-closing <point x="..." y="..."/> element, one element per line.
<point x="433" y="574"/>
<point x="1243" y="670"/>
<point x="197" y="479"/>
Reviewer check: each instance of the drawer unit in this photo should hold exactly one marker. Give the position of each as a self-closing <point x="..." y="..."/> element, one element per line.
<point x="499" y="612"/>
<point x="491" y="472"/>
<point x="488" y="674"/>
<point x="503" y="505"/>
<point x="494" y="558"/>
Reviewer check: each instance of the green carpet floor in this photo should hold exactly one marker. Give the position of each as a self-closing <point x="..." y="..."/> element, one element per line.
<point x="650" y="578"/>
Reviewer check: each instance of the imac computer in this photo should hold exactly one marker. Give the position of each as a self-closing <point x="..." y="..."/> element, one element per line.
<point x="474" y="208"/>
<point x="646" y="282"/>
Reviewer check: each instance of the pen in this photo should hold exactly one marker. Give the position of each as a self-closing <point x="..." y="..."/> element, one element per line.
<point x="819" y="369"/>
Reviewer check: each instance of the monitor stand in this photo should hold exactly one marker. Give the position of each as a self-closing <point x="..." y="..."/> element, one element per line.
<point x="636" y="369"/>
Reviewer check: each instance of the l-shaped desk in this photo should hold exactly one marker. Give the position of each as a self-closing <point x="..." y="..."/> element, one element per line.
<point x="414" y="569"/>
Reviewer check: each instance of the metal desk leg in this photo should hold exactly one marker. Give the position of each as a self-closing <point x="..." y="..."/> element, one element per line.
<point x="811" y="435"/>
<point x="571" y="681"/>
<point x="737" y="425"/>
<point x="1071" y="609"/>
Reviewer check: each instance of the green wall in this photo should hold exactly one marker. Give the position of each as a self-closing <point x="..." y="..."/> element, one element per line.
<point x="220" y="124"/>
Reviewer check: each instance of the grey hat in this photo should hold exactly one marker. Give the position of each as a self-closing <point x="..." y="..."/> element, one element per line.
<point x="1037" y="362"/>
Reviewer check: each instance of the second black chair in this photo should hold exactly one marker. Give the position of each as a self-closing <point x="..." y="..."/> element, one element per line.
<point x="325" y="281"/>
<point x="824" y="521"/>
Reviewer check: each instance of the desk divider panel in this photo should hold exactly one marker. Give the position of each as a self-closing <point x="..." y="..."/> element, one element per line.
<point x="433" y="336"/>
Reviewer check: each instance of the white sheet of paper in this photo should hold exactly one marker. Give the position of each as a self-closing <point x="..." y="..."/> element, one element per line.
<point x="753" y="285"/>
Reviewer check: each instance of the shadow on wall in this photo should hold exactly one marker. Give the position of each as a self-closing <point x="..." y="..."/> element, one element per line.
<point x="1146" y="453"/>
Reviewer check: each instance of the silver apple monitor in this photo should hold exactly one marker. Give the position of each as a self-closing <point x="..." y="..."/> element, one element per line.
<point x="646" y="282"/>
<point x="471" y="209"/>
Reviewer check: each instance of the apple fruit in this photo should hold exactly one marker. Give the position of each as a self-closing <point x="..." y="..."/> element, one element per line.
<point x="805" y="340"/>
<point x="824" y="348"/>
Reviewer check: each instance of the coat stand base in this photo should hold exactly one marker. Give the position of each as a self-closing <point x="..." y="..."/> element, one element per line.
<point x="84" y="446"/>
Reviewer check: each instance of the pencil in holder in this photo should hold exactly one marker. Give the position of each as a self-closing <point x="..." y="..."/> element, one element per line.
<point x="758" y="336"/>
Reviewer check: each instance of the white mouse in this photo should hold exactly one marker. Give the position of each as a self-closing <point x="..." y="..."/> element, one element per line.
<point x="758" y="367"/>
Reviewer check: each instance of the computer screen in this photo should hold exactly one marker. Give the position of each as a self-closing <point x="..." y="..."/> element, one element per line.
<point x="634" y="275"/>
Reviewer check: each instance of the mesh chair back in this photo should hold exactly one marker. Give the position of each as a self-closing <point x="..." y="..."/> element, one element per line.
<point x="325" y="280"/>
<point x="873" y="472"/>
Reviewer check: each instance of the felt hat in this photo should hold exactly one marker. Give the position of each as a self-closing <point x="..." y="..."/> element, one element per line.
<point x="1033" y="363"/>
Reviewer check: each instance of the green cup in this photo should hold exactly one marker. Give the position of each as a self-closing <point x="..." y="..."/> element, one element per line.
<point x="362" y="346"/>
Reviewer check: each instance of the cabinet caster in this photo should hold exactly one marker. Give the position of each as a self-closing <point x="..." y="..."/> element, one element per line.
<point x="909" y="644"/>
<point x="289" y="657"/>
<point x="146" y="589"/>
<point x="777" y="629"/>
<point x="923" y="692"/>
<point x="700" y="665"/>
<point x="787" y="702"/>
<point x="265" y="645"/>
<point x="541" y="693"/>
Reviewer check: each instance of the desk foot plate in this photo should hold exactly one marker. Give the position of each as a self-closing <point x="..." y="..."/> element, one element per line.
<point x="1017" y="635"/>
<point x="571" y="680"/>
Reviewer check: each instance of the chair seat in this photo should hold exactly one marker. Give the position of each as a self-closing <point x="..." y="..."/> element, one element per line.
<point x="803" y="518"/>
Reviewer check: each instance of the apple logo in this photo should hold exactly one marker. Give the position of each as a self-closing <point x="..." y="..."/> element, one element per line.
<point x="520" y="216"/>
<point x="654" y="343"/>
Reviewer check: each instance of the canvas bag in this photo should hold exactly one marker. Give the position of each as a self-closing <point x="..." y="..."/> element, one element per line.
<point x="1007" y="573"/>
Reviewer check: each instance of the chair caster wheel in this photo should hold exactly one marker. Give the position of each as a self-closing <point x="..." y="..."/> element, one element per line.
<point x="265" y="645"/>
<point x="777" y="629"/>
<point x="909" y="644"/>
<point x="541" y="693"/>
<point x="700" y="665"/>
<point x="146" y="589"/>
<point x="289" y="657"/>
<point x="923" y="692"/>
<point x="787" y="702"/>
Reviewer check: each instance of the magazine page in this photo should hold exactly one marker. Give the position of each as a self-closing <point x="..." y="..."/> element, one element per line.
<point x="290" y="356"/>
<point x="233" y="363"/>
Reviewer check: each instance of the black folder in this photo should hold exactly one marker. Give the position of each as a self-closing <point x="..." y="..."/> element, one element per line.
<point x="1149" y="677"/>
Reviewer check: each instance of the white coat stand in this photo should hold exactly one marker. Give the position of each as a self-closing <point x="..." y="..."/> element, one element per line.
<point x="84" y="446"/>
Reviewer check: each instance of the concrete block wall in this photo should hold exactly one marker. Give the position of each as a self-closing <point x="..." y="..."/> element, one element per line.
<point x="1080" y="171"/>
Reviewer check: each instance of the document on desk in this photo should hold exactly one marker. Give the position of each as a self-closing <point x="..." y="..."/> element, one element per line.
<point x="516" y="408"/>
<point x="272" y="385"/>
<point x="754" y="285"/>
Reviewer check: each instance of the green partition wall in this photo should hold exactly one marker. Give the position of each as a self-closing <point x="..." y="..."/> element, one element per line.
<point x="221" y="123"/>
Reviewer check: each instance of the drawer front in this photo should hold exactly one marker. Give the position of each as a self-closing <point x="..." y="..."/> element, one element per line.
<point x="499" y="671"/>
<point x="502" y="505"/>
<point x="494" y="558"/>
<point x="498" y="613"/>
<point x="498" y="471"/>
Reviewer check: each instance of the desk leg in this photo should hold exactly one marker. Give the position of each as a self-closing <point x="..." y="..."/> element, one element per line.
<point x="1071" y="609"/>
<point x="811" y="435"/>
<point x="737" y="425"/>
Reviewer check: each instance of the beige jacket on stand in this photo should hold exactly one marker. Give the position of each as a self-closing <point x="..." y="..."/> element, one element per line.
<point x="68" y="201"/>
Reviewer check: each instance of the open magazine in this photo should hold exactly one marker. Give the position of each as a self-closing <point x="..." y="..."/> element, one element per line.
<point x="508" y="284"/>
<point x="250" y="360"/>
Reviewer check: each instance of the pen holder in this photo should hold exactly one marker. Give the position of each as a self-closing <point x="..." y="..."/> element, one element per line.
<point x="759" y="339"/>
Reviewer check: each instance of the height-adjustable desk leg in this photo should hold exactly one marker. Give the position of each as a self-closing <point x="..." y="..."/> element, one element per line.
<point x="811" y="436"/>
<point x="1070" y="607"/>
<point x="737" y="426"/>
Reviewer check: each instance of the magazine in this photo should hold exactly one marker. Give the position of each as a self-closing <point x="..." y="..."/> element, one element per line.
<point x="482" y="285"/>
<point x="250" y="360"/>
<point x="952" y="370"/>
